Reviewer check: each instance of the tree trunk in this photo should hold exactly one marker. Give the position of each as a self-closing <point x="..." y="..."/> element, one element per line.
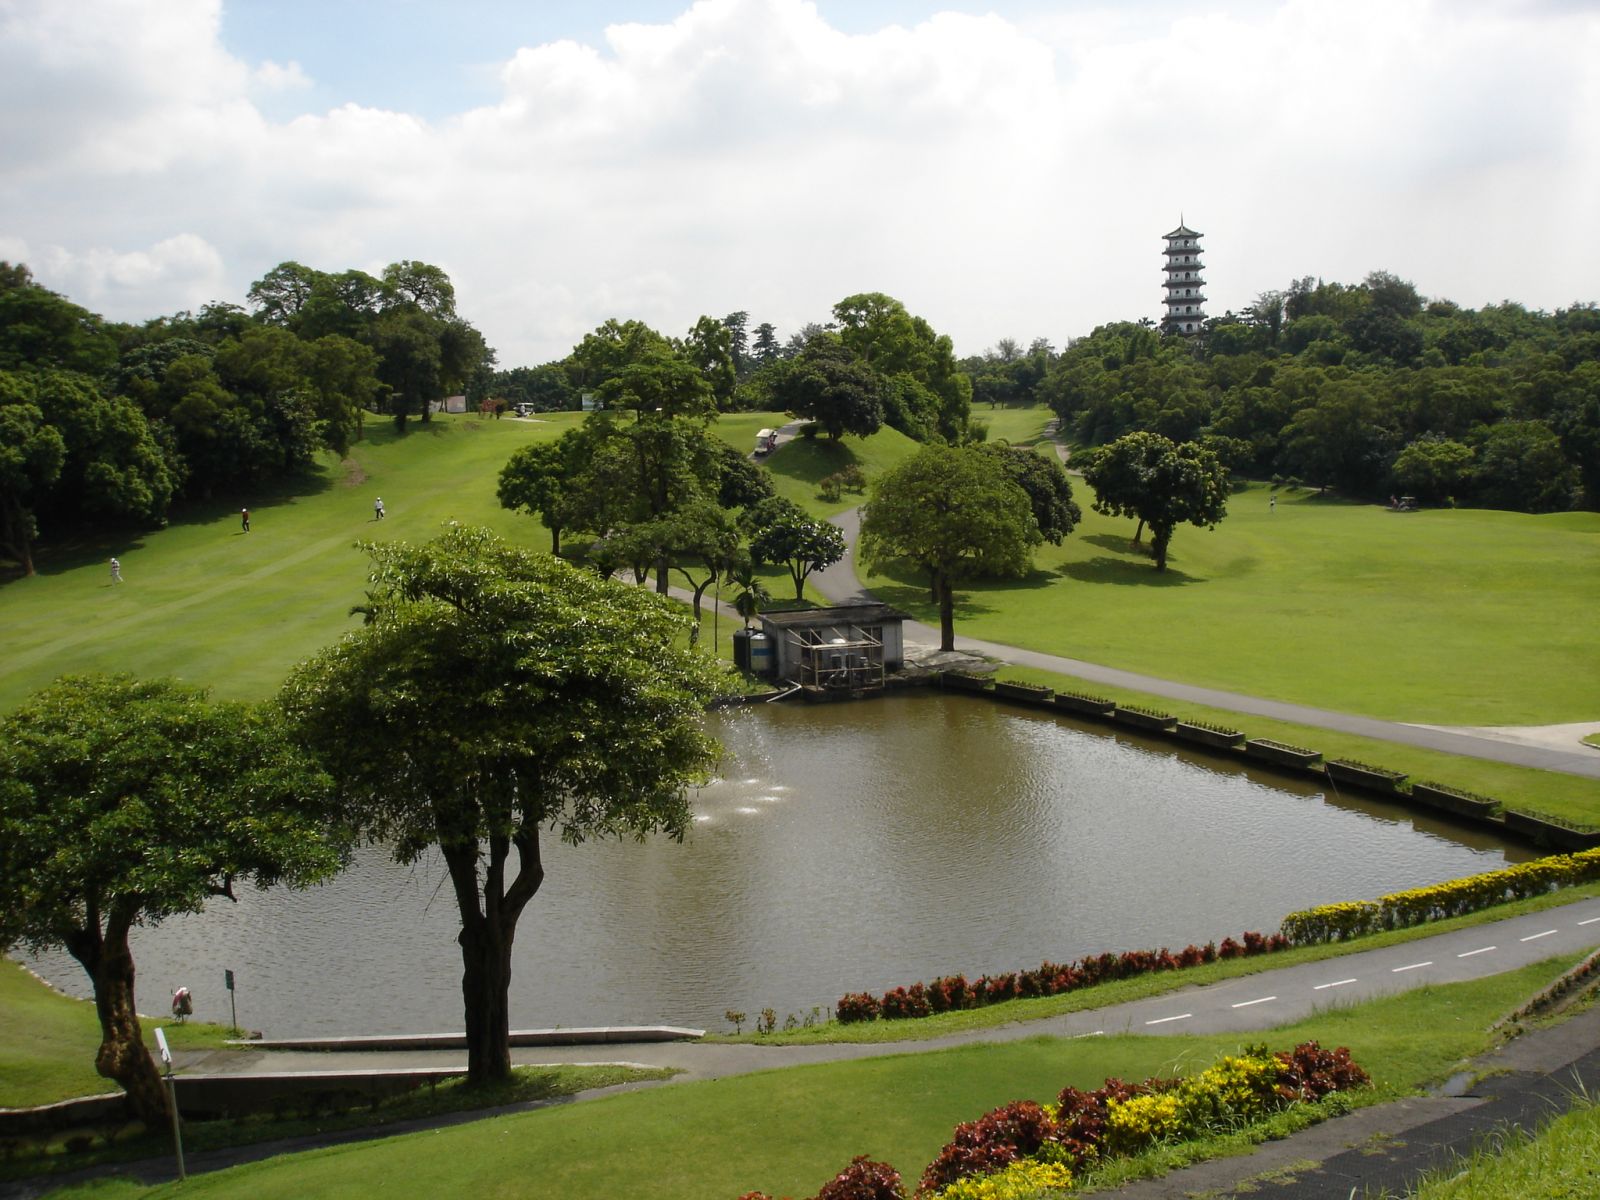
<point x="1160" y="536"/>
<point x="488" y="931"/>
<point x="1138" y="532"/>
<point x="663" y="574"/>
<point x="555" y="541"/>
<point x="122" y="1057"/>
<point x="947" y="610"/>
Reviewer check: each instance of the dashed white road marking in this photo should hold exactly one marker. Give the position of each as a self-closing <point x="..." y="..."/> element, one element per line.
<point x="1590" y="921"/>
<point x="1164" y="1020"/>
<point x="1335" y="983"/>
<point x="1533" y="937"/>
<point x="1410" y="967"/>
<point x="1248" y="1003"/>
<point x="1480" y="950"/>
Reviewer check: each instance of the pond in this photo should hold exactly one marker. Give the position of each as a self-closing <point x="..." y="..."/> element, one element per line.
<point x="846" y="847"/>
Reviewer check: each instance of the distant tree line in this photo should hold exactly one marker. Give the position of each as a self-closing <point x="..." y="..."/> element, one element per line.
<point x="1366" y="389"/>
<point x="111" y="423"/>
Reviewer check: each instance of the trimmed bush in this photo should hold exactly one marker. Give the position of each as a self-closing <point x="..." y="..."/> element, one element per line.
<point x="952" y="992"/>
<point x="1398" y="910"/>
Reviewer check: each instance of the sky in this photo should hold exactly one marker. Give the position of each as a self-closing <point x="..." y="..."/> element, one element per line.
<point x="1005" y="169"/>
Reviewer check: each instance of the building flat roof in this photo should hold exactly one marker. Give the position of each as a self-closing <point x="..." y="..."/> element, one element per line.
<point x="856" y="614"/>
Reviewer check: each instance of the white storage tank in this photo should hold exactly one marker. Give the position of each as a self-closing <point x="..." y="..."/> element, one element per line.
<point x="763" y="660"/>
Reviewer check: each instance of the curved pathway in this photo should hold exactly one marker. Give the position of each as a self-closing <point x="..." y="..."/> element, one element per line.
<point x="840" y="584"/>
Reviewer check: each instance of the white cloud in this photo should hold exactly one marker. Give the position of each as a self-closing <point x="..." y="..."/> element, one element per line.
<point x="1003" y="179"/>
<point x="281" y="77"/>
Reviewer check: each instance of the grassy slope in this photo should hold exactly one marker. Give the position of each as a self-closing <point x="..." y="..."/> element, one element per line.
<point x="787" y="1131"/>
<point x="215" y="606"/>
<point x="1560" y="1163"/>
<point x="48" y="1041"/>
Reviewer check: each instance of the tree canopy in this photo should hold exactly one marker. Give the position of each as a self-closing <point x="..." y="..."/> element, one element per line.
<point x="493" y="695"/>
<point x="782" y="534"/>
<point x="954" y="512"/>
<point x="1146" y="476"/>
<point x="125" y="802"/>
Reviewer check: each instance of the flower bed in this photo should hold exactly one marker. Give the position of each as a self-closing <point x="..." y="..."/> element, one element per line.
<point x="1027" y="693"/>
<point x="1093" y="706"/>
<point x="966" y="681"/>
<point x="1022" y="1150"/>
<point x="1281" y="753"/>
<point x="1214" y="736"/>
<point x="1340" y="922"/>
<point x="950" y="993"/>
<point x="1143" y="718"/>
<point x="1364" y="775"/>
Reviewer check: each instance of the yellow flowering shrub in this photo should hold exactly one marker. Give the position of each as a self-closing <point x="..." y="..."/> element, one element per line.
<point x="1337" y="922"/>
<point x="1236" y="1090"/>
<point x="1024" y="1179"/>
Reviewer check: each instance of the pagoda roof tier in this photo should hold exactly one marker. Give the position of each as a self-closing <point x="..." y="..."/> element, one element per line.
<point x="1183" y="231"/>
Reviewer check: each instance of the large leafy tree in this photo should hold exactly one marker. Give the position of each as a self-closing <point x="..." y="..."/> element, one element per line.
<point x="115" y="468"/>
<point x="499" y="696"/>
<point x="955" y="513"/>
<point x="1049" y="490"/>
<point x="1162" y="484"/>
<point x="829" y="384"/>
<point x="783" y="534"/>
<point x="123" y="803"/>
<point x="31" y="454"/>
<point x="537" y="480"/>
<point x="880" y="330"/>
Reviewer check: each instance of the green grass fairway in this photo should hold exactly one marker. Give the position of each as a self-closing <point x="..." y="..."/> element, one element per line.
<point x="1463" y="617"/>
<point x="212" y="605"/>
<point x="1021" y="426"/>
<point x="789" y="1131"/>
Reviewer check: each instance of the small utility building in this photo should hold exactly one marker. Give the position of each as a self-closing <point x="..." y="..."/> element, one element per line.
<point x="842" y="649"/>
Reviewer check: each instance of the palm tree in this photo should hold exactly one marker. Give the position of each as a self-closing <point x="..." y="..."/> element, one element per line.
<point x="752" y="595"/>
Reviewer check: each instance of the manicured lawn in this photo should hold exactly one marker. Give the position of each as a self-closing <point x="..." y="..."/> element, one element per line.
<point x="1019" y="426"/>
<point x="1465" y="617"/>
<point x="799" y="465"/>
<point x="234" y="611"/>
<point x="788" y="1131"/>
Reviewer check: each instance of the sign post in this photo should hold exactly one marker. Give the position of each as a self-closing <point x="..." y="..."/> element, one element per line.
<point x="233" y="1005"/>
<point x="172" y="1100"/>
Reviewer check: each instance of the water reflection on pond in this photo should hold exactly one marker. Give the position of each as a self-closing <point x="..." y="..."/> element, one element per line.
<point x="847" y="847"/>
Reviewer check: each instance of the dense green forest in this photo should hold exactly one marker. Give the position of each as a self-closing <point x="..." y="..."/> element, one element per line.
<point x="1368" y="389"/>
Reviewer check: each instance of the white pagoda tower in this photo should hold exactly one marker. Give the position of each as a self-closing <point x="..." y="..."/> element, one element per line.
<point x="1185" y="297"/>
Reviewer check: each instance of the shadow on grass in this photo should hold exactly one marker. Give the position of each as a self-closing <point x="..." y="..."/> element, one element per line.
<point x="91" y="544"/>
<point x="811" y="460"/>
<point x="1140" y="573"/>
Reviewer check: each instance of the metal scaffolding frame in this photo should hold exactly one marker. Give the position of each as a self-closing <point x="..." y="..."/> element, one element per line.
<point x="852" y="663"/>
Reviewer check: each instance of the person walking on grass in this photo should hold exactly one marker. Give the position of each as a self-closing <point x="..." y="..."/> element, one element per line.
<point x="116" y="571"/>
<point x="244" y="519"/>
<point x="377" y="509"/>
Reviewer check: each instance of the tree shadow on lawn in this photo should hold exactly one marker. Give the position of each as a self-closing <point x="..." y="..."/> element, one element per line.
<point x="811" y="460"/>
<point x="1137" y="573"/>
